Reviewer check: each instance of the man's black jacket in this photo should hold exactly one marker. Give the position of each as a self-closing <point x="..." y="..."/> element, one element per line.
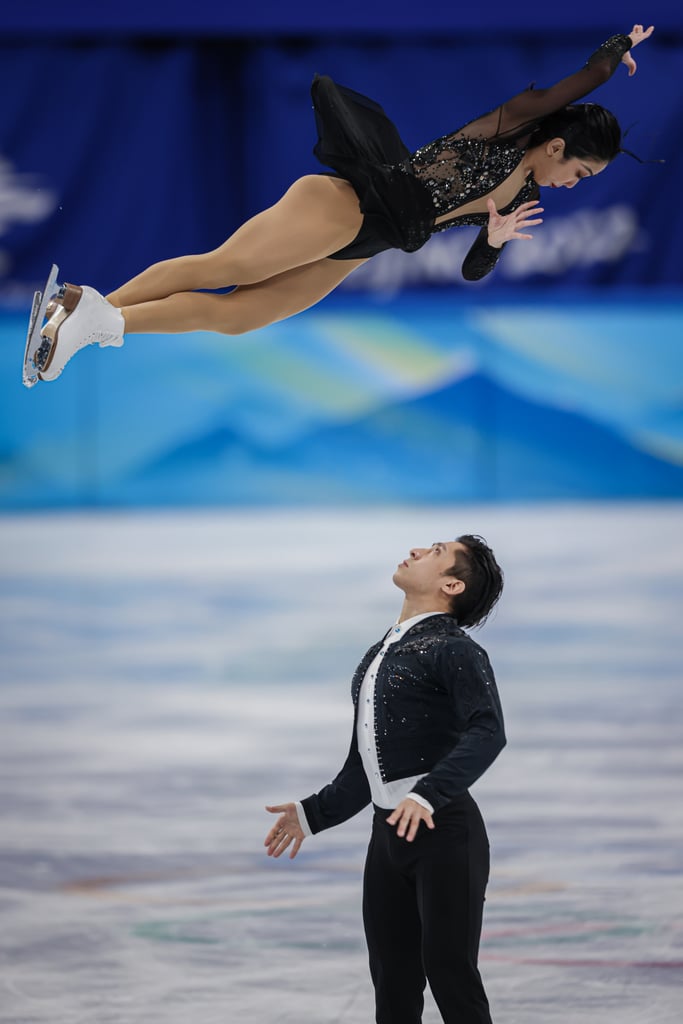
<point x="436" y="711"/>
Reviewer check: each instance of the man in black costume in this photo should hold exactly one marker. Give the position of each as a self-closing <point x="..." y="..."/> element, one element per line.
<point x="427" y="724"/>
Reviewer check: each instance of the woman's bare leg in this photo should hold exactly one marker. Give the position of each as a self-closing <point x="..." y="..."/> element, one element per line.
<point x="317" y="216"/>
<point x="246" y="308"/>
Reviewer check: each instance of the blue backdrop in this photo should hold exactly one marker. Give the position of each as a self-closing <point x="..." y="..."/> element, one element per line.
<point x="419" y="399"/>
<point x="306" y="17"/>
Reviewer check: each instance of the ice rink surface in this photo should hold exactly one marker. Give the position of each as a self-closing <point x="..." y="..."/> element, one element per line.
<point x="165" y="676"/>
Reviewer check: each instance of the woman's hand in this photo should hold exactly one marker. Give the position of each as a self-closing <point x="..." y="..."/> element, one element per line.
<point x="503" y="229"/>
<point x="637" y="35"/>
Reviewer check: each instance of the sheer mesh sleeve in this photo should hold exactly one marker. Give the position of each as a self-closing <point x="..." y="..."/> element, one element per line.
<point x="530" y="106"/>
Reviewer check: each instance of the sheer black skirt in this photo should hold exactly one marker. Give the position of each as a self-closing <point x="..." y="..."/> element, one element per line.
<point x="361" y="144"/>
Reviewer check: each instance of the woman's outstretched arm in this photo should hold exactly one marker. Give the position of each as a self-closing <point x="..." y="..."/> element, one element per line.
<point x="530" y="106"/>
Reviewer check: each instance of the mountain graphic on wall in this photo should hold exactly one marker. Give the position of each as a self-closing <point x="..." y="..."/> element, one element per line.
<point x="469" y="440"/>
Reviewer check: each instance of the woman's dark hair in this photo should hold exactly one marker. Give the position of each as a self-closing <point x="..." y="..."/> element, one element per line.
<point x="478" y="569"/>
<point x="589" y="131"/>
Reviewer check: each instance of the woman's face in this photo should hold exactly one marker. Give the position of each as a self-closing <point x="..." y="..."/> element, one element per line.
<point x="553" y="170"/>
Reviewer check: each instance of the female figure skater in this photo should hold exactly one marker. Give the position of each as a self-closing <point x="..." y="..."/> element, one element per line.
<point x="379" y="196"/>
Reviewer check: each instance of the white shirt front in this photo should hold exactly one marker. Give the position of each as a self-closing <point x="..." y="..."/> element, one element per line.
<point x="384" y="794"/>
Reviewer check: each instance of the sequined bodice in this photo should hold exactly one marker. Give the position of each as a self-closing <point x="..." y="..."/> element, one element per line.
<point x="459" y="170"/>
<point x="406" y="197"/>
<point x="462" y="167"/>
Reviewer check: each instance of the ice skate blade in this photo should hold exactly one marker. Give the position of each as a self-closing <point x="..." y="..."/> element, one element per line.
<point x="30" y="375"/>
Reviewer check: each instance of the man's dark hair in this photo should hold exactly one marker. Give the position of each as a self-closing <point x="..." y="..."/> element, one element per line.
<point x="483" y="578"/>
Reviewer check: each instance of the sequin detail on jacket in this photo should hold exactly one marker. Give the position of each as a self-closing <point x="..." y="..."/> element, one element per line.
<point x="437" y="714"/>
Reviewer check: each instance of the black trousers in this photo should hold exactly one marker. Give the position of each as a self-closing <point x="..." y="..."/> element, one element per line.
<point x="422" y="910"/>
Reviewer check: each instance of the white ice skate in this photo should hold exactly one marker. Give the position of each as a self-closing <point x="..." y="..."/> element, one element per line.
<point x="78" y="316"/>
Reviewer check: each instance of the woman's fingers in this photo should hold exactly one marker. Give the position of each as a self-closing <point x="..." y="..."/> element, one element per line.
<point x="640" y="33"/>
<point x="637" y="35"/>
<point x="522" y="211"/>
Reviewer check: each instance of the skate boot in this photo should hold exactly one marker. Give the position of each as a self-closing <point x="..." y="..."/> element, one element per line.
<point x="78" y="316"/>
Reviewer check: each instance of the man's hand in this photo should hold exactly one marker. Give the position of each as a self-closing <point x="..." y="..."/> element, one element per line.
<point x="503" y="229"/>
<point x="637" y="35"/>
<point x="284" y="832"/>
<point x="408" y="815"/>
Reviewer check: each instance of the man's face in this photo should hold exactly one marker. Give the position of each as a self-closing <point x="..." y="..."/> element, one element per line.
<point x="422" y="573"/>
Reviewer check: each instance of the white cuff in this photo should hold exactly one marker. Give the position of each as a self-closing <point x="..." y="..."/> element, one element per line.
<point x="301" y="815"/>
<point x="421" y="801"/>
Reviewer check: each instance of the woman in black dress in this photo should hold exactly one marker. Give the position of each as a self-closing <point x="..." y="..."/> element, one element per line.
<point x="378" y="196"/>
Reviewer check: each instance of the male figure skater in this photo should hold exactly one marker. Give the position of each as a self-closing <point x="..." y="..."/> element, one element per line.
<point x="427" y="724"/>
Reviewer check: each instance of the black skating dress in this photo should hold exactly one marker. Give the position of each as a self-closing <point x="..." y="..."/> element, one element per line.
<point x="402" y="193"/>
